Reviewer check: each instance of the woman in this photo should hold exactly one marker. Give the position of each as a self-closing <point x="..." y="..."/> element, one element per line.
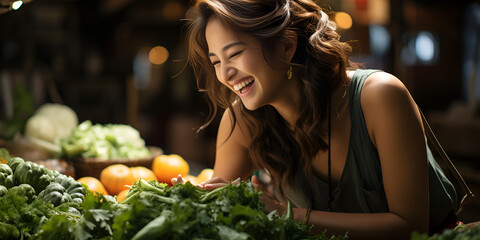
<point x="345" y="146"/>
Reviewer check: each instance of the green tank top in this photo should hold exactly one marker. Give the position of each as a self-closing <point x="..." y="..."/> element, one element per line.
<point x="360" y="189"/>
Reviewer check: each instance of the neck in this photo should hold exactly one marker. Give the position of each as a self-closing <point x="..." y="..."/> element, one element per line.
<point x="289" y="109"/>
<point x="289" y="104"/>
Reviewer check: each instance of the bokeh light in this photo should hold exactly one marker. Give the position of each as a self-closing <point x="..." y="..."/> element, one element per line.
<point x="343" y="20"/>
<point x="425" y="46"/>
<point x="158" y="55"/>
<point x="380" y="39"/>
<point x="16" y="5"/>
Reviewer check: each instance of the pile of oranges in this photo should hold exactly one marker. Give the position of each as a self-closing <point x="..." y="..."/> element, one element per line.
<point x="116" y="179"/>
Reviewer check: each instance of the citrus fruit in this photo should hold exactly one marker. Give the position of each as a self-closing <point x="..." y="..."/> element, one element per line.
<point x="167" y="167"/>
<point x="190" y="178"/>
<point x="142" y="172"/>
<point x="122" y="195"/>
<point x="205" y="175"/>
<point x="116" y="177"/>
<point x="93" y="184"/>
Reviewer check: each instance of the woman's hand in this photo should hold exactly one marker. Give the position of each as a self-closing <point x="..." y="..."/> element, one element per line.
<point x="268" y="197"/>
<point x="210" y="184"/>
<point x="216" y="182"/>
<point x="178" y="180"/>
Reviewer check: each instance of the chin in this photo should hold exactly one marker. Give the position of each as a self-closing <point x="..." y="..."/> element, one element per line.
<point x="251" y="106"/>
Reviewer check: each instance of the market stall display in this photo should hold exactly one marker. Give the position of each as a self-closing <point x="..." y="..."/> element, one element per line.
<point x="40" y="203"/>
<point x="64" y="209"/>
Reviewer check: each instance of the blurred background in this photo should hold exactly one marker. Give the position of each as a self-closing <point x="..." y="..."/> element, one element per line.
<point x="123" y="61"/>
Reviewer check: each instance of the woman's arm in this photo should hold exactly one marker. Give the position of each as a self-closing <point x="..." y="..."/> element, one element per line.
<point x="395" y="125"/>
<point x="231" y="160"/>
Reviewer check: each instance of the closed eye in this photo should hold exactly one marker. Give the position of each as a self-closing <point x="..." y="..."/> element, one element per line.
<point x="235" y="54"/>
<point x="232" y="56"/>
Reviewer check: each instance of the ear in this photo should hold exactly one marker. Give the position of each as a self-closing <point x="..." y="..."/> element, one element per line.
<point x="290" y="46"/>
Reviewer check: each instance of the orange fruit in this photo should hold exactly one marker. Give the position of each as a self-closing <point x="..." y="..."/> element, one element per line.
<point x="116" y="177"/>
<point x="3" y="161"/>
<point x="205" y="175"/>
<point x="167" y="167"/>
<point x="142" y="172"/>
<point x="93" y="184"/>
<point x="190" y="178"/>
<point x="122" y="195"/>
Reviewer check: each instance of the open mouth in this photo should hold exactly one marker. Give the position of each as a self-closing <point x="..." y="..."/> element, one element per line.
<point x="243" y="86"/>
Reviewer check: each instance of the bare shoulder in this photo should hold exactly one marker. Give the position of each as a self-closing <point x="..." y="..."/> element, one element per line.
<point x="383" y="83"/>
<point x="386" y="103"/>
<point x="384" y="89"/>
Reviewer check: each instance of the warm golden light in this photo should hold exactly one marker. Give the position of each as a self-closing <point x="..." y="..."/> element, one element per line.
<point x="158" y="55"/>
<point x="173" y="11"/>
<point x="343" y="20"/>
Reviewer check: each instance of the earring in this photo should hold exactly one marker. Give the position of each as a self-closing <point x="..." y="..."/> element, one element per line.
<point x="289" y="73"/>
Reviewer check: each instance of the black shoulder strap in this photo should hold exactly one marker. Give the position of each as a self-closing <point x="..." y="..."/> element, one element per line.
<point x="438" y="148"/>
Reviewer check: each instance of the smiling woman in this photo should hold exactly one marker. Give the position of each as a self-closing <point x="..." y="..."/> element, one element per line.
<point x="345" y="145"/>
<point x="239" y="65"/>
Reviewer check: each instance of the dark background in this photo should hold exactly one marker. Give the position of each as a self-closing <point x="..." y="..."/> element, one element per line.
<point x="83" y="54"/>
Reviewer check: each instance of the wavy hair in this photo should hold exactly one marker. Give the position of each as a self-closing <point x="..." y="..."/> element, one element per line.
<point x="319" y="63"/>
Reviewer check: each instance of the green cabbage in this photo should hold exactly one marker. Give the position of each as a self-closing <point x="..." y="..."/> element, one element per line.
<point x="110" y="141"/>
<point x="51" y="122"/>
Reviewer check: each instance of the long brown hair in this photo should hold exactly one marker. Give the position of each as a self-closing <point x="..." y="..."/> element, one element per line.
<point x="320" y="64"/>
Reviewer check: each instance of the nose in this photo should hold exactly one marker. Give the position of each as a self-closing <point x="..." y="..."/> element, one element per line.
<point x="227" y="72"/>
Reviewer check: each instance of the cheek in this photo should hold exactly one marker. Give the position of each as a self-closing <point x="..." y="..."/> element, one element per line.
<point x="217" y="74"/>
<point x="219" y="79"/>
<point x="254" y="64"/>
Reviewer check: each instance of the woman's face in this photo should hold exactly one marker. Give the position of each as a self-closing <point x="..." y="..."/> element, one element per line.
<point x="240" y="65"/>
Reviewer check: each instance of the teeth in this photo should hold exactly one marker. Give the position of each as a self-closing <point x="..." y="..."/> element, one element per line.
<point x="240" y="85"/>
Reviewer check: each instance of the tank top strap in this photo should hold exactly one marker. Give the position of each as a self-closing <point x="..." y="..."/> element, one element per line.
<point x="360" y="143"/>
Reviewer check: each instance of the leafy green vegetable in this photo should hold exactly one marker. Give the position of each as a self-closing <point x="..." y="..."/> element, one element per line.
<point x="23" y="190"/>
<point x="9" y="231"/>
<point x="94" y="222"/>
<point x="55" y="193"/>
<point x="108" y="141"/>
<point x="57" y="227"/>
<point x="3" y="190"/>
<point x="14" y="162"/>
<point x="21" y="213"/>
<point x="159" y="226"/>
<point x="458" y="233"/>
<point x="138" y="214"/>
<point x="74" y="189"/>
<point x="61" y="188"/>
<point x="51" y="122"/>
<point x="156" y="211"/>
<point x="33" y="174"/>
<point x="6" y="175"/>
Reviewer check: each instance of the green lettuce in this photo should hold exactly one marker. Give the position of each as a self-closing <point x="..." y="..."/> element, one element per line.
<point x="109" y="141"/>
